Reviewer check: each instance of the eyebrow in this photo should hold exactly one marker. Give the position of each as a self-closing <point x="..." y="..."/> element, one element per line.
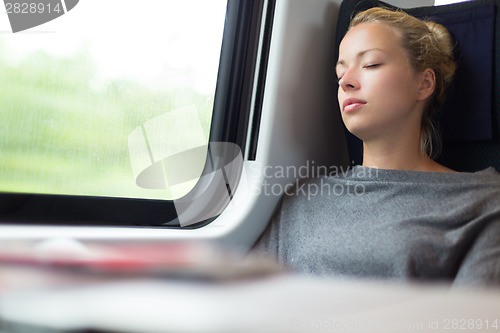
<point x="359" y="55"/>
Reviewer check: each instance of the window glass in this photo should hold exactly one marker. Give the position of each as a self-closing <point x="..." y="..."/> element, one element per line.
<point x="93" y="99"/>
<point x="447" y="2"/>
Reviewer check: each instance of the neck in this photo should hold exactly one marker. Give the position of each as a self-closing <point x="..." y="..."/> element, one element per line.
<point x="398" y="156"/>
<point x="398" y="148"/>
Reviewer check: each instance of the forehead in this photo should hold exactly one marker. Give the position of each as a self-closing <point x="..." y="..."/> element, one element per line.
<point x="370" y="36"/>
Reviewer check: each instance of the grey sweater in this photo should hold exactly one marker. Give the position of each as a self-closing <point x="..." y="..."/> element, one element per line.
<point x="391" y="224"/>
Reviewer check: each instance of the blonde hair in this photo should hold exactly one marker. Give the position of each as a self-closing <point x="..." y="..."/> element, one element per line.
<point x="429" y="45"/>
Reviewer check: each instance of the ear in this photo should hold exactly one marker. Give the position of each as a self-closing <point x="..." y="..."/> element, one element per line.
<point x="427" y="84"/>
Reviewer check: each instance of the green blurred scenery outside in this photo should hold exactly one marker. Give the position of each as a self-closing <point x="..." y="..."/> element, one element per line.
<point x="62" y="131"/>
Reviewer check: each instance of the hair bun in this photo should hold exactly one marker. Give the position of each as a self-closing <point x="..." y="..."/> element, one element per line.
<point x="443" y="41"/>
<point x="442" y="36"/>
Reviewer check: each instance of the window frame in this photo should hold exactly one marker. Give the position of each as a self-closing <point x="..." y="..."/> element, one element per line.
<point x="233" y="101"/>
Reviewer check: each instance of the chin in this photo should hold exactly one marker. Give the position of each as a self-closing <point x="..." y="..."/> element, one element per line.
<point x="359" y="131"/>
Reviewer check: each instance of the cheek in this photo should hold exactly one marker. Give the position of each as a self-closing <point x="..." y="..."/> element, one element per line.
<point x="394" y="87"/>
<point x="390" y="79"/>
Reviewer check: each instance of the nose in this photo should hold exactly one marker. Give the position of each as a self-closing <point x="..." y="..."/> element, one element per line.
<point x="348" y="81"/>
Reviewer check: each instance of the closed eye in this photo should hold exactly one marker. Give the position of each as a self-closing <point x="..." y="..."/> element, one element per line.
<point x="371" y="65"/>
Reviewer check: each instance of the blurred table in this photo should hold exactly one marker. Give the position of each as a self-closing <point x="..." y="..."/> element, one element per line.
<point x="281" y="303"/>
<point x="63" y="285"/>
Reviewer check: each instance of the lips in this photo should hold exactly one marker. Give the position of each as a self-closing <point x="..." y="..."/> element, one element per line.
<point x="352" y="104"/>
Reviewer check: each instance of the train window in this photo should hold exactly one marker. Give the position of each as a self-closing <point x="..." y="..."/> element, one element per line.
<point x="76" y="91"/>
<point x="92" y="99"/>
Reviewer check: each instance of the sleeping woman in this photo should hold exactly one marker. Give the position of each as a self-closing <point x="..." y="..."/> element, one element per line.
<point x="410" y="218"/>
